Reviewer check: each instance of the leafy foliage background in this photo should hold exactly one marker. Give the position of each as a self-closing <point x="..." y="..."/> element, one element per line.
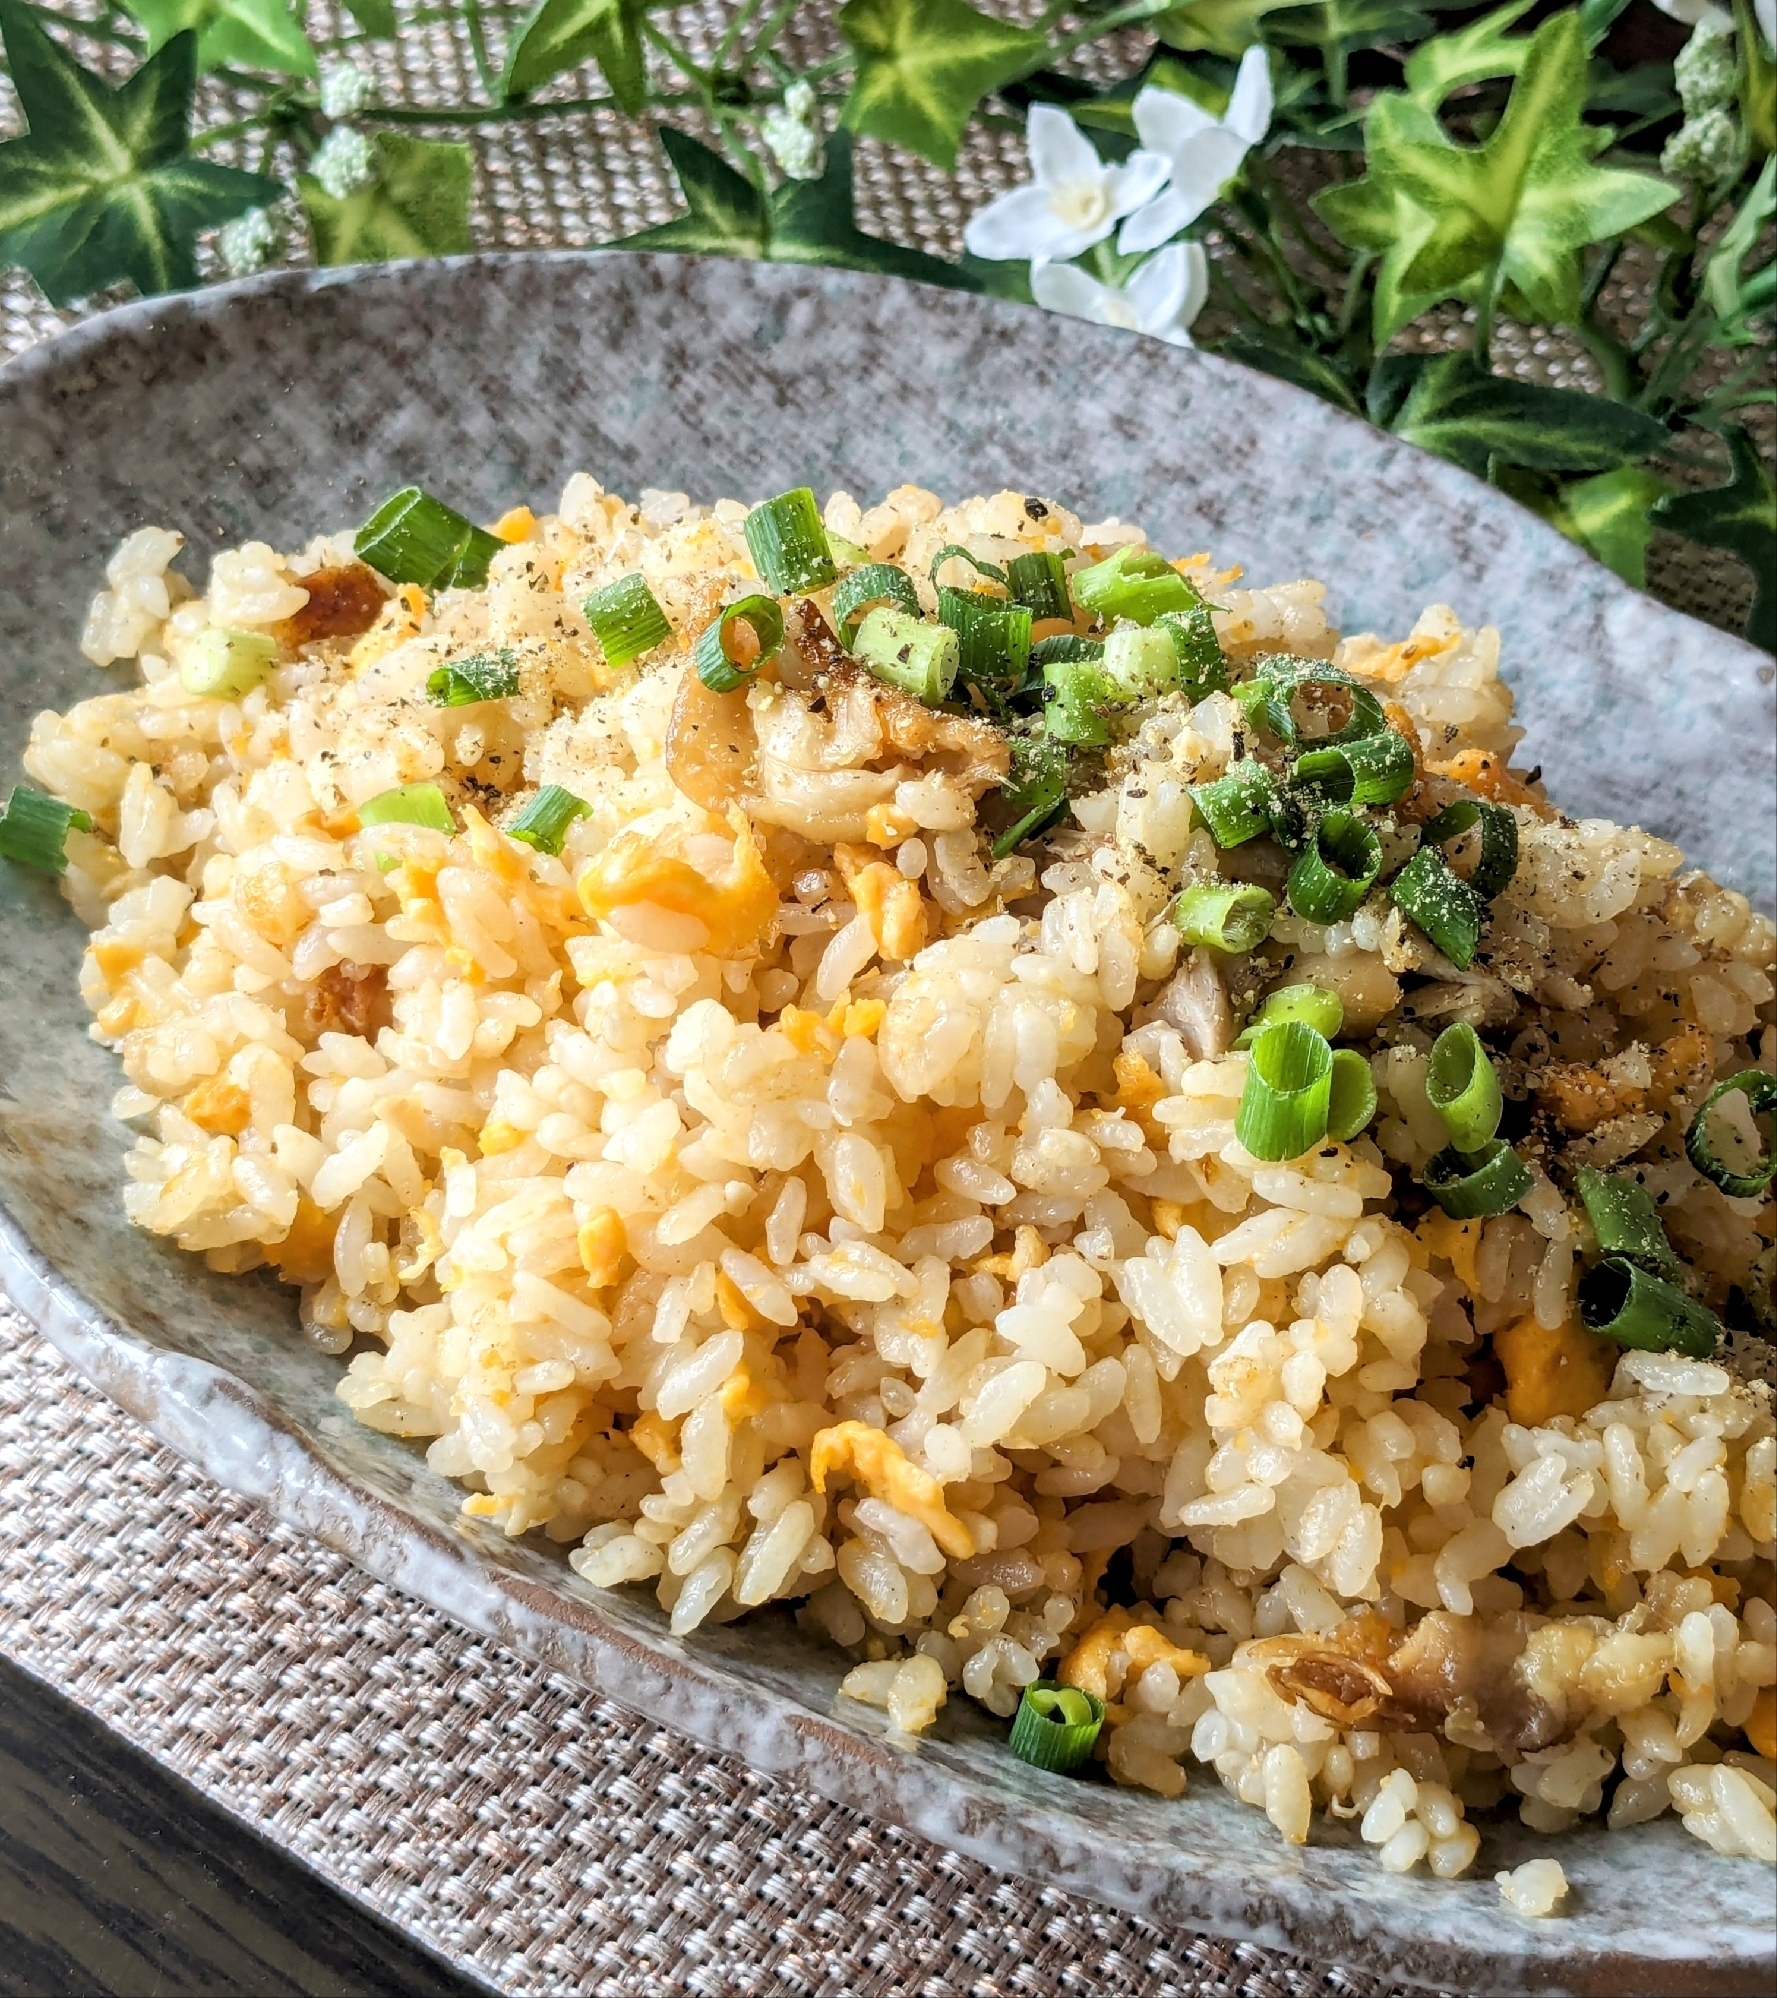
<point x="568" y="166"/>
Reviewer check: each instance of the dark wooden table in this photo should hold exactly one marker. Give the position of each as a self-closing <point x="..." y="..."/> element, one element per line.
<point x="118" y="1878"/>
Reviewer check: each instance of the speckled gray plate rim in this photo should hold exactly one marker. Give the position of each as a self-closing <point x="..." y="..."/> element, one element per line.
<point x="272" y="408"/>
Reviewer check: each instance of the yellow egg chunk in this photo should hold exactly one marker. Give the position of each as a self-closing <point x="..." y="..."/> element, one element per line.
<point x="877" y="1462"/>
<point x="1564" y="1372"/>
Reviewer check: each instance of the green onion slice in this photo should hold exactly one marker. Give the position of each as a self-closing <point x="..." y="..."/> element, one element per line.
<point x="1313" y="1005"/>
<point x="1134" y="583"/>
<point x="1351" y="1102"/>
<point x="1499" y="842"/>
<point x="1621" y="1301"/>
<point x="1202" y="668"/>
<point x="1077" y="693"/>
<point x="1142" y="661"/>
<point x="414" y="538"/>
<point x="1056" y="1726"/>
<point x="1624" y="1218"/>
<point x="1333" y="873"/>
<point x="408" y="805"/>
<point x="1036" y="790"/>
<point x="544" y="822"/>
<point x="1287" y="1099"/>
<point x="1039" y="582"/>
<point x="1373" y="770"/>
<point x="1468" y="1185"/>
<point x="626" y="619"/>
<point x="1226" y="915"/>
<point x="1760" y="1091"/>
<point x="975" y="562"/>
<point x="992" y="636"/>
<point x="715" y="655"/>
<point x="226" y="665"/>
<point x="1428" y="891"/>
<point x="1279" y="678"/>
<point x="1063" y="650"/>
<point x="1239" y="806"/>
<point x="1463" y="1087"/>
<point x="908" y="653"/>
<point x="860" y="590"/>
<point x="789" y="545"/>
<point x="488" y="676"/>
<point x="34" y="829"/>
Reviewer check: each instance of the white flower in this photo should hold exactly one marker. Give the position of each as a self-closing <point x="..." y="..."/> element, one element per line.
<point x="344" y="89"/>
<point x="792" y="133"/>
<point x="1073" y="200"/>
<point x="343" y="163"/>
<point x="1766" y="13"/>
<point x="245" y="243"/>
<point x="1203" y="152"/>
<point x="1690" y="12"/>
<point x="1162" y="298"/>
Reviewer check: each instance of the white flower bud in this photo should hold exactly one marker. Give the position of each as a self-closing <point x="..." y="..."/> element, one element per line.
<point x="1703" y="150"/>
<point x="1705" y="69"/>
<point x="247" y="243"/>
<point x="792" y="133"/>
<point x="344" y="89"/>
<point x="344" y="162"/>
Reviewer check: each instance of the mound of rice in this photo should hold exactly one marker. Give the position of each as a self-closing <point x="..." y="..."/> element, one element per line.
<point x="776" y="1198"/>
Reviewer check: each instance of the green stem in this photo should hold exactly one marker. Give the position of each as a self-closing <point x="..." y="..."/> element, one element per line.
<point x="478" y="49"/>
<point x="1485" y="308"/>
<point x="509" y="113"/>
<point x="1105" y="24"/>
<point x="743" y="17"/>
<point x="1612" y="356"/>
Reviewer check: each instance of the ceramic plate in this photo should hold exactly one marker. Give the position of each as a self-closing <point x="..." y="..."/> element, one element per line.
<point x="269" y="409"/>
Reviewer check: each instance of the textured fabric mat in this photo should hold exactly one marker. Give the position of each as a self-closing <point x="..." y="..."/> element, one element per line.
<point x="539" y="1837"/>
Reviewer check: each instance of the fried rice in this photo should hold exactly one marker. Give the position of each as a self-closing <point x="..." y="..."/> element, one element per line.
<point x="774" y="1196"/>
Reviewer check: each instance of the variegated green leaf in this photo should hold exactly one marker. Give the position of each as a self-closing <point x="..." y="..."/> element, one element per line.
<point x="101" y="189"/>
<point x="924" y="65"/>
<point x="1222" y="27"/>
<point x="1742" y="518"/>
<point x="562" y="34"/>
<point x="418" y="205"/>
<point x="237" y="34"/>
<point x="727" y="215"/>
<point x="1468" y="54"/>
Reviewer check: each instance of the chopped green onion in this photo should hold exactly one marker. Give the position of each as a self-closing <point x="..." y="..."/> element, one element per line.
<point x="1373" y="770"/>
<point x="1226" y="915"/>
<point x="1285" y="1103"/>
<point x="1142" y="662"/>
<point x="488" y="676"/>
<point x="544" y="822"/>
<point x="992" y="637"/>
<point x="1619" y="1300"/>
<point x="386" y="863"/>
<point x="1428" y="891"/>
<point x="1077" y="694"/>
<point x="1333" y="873"/>
<point x="975" y="562"/>
<point x="1055" y="1727"/>
<point x="408" y="805"/>
<point x="846" y="553"/>
<point x="1760" y="1091"/>
<point x="1468" y="1185"/>
<point x="714" y="654"/>
<point x="1463" y="1088"/>
<point x="626" y="620"/>
<point x="1036" y="790"/>
<point x="789" y="545"/>
<point x="1278" y="679"/>
<point x="1499" y="842"/>
<point x="225" y="665"/>
<point x="1313" y="1005"/>
<point x="1351" y="1101"/>
<point x="413" y="538"/>
<point x="34" y="829"/>
<point x="1039" y="582"/>
<point x="1624" y="1219"/>
<point x="863" y="589"/>
<point x="1064" y="650"/>
<point x="1134" y="583"/>
<point x="907" y="653"/>
<point x="1239" y="806"/>
<point x="1202" y="668"/>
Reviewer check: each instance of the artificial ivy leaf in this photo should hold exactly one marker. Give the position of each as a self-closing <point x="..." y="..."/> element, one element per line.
<point x="1371" y="214"/>
<point x="1733" y="295"/>
<point x="1610" y="516"/>
<point x="1471" y="54"/>
<point x="562" y="34"/>
<point x="375" y="17"/>
<point x="1273" y="352"/>
<point x="812" y="223"/>
<point x="1223" y="27"/>
<point x="923" y="66"/>
<point x="1450" y="404"/>
<point x="1742" y="518"/>
<point x="242" y="34"/>
<point x="101" y="189"/>
<point x="418" y="205"/>
<point x="1758" y="78"/>
<point x="1339" y="26"/>
<point x="728" y="216"/>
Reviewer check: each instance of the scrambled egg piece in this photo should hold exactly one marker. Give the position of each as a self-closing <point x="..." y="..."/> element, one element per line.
<point x="1087" y="1665"/>
<point x="652" y="1434"/>
<point x="220" y="1106"/>
<point x="886" y="899"/>
<point x="1564" y="1372"/>
<point x="1761" y="1723"/>
<point x="603" y="1242"/>
<point x="741" y="1397"/>
<point x="737" y="907"/>
<point x="1457" y="1242"/>
<point x="880" y="1465"/>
